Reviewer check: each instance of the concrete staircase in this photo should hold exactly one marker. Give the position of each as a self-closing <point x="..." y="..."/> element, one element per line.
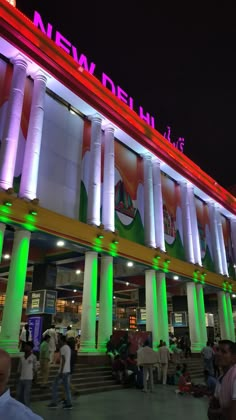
<point x="195" y="368"/>
<point x="86" y="380"/>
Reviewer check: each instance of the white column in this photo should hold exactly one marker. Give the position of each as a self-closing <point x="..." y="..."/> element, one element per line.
<point x="9" y="337"/>
<point x="105" y="302"/>
<point x="158" y="206"/>
<point x="94" y="187"/>
<point x="215" y="238"/>
<point x="149" y="227"/>
<point x="2" y="233"/>
<point x="201" y="314"/>
<point x="194" y="225"/>
<point x="89" y="302"/>
<point x="223" y="316"/>
<point x="108" y="196"/>
<point x="193" y="317"/>
<point x="162" y="308"/>
<point x="12" y="123"/>
<point x="187" y="226"/>
<point x="29" y="177"/>
<point x="233" y="238"/>
<point x="230" y="317"/>
<point x="151" y="306"/>
<point x="222" y="244"/>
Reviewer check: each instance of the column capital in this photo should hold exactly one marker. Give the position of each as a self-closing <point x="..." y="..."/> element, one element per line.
<point x="156" y="162"/>
<point x="146" y="156"/>
<point x="40" y="75"/>
<point x="21" y="61"/>
<point x="109" y="127"/>
<point x="97" y="118"/>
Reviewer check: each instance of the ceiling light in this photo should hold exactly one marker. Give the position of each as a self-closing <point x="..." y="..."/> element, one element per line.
<point x="7" y="203"/>
<point x="176" y="277"/>
<point x="72" y="301"/>
<point x="130" y="264"/>
<point x="77" y="272"/>
<point x="100" y="236"/>
<point x="233" y="295"/>
<point x="6" y="256"/>
<point x="75" y="290"/>
<point x="127" y="283"/>
<point x="33" y="212"/>
<point x="60" y="243"/>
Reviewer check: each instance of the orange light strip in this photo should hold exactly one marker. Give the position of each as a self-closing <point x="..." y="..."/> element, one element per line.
<point x="57" y="62"/>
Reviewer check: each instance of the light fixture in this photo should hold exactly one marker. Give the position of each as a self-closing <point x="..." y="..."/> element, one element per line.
<point x="33" y="212"/>
<point x="130" y="264"/>
<point x="115" y="241"/>
<point x="7" y="203"/>
<point x="78" y="272"/>
<point x="233" y="295"/>
<point x="60" y="243"/>
<point x="114" y="297"/>
<point x="127" y="283"/>
<point x="72" y="301"/>
<point x="6" y="256"/>
<point x="167" y="261"/>
<point x="100" y="236"/>
<point x="176" y="277"/>
<point x="71" y="110"/>
<point x="75" y="290"/>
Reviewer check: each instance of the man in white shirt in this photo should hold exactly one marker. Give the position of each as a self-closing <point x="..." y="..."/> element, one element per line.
<point x="146" y="359"/>
<point x="10" y="408"/>
<point x="208" y="354"/>
<point x="27" y="368"/>
<point x="164" y="357"/>
<point x="63" y="375"/>
<point x="52" y="342"/>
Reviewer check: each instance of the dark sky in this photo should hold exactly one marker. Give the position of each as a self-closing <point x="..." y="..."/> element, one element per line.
<point x="176" y="60"/>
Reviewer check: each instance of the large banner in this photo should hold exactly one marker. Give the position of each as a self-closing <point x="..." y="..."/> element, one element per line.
<point x="228" y="244"/>
<point x="172" y="214"/>
<point x="203" y="220"/>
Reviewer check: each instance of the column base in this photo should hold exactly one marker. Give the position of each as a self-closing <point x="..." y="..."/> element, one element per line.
<point x="197" y="347"/>
<point x="87" y="347"/>
<point x="11" y="347"/>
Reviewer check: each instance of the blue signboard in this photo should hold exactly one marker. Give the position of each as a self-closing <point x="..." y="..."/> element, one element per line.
<point x="35" y="326"/>
<point x="41" y="302"/>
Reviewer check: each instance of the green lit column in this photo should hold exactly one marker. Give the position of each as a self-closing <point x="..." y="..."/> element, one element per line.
<point x="2" y="232"/>
<point x="151" y="306"/>
<point x="162" y="307"/>
<point x="105" y="302"/>
<point x="201" y="314"/>
<point x="223" y="316"/>
<point x="88" y="318"/>
<point x="193" y="318"/>
<point x="230" y="317"/>
<point x="9" y="338"/>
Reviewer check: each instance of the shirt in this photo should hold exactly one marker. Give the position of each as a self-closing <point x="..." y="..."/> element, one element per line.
<point x="11" y="409"/>
<point x="66" y="352"/>
<point x="27" y="367"/>
<point x="207" y="352"/>
<point x="44" y="350"/>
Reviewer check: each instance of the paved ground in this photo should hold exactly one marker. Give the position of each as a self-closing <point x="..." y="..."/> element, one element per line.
<point x="130" y="404"/>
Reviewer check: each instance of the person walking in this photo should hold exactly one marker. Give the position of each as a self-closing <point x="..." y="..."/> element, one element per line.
<point x="164" y="357"/>
<point x="208" y="355"/>
<point x="10" y="408"/>
<point x="44" y="358"/>
<point x="27" y="368"/>
<point x="63" y="375"/>
<point x="52" y="342"/>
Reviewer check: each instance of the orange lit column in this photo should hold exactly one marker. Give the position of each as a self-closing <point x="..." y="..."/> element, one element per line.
<point x="108" y="195"/>
<point x="151" y="306"/>
<point x="158" y="205"/>
<point x="105" y="302"/>
<point x="89" y="301"/>
<point x="230" y="317"/>
<point x="9" y="337"/>
<point x="223" y="316"/>
<point x="94" y="185"/>
<point x="193" y="317"/>
<point x="29" y="176"/>
<point x="11" y="129"/>
<point x="187" y="226"/>
<point x="149" y="227"/>
<point x="162" y="310"/>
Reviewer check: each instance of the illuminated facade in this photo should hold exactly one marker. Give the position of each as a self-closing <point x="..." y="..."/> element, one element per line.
<point x="104" y="180"/>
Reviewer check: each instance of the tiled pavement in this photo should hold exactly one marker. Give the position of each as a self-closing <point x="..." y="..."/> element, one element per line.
<point x="130" y="404"/>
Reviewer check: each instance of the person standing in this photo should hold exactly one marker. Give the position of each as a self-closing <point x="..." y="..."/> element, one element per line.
<point x="164" y="357"/>
<point x="208" y="354"/>
<point x="10" y="408"/>
<point x="223" y="405"/>
<point x="187" y="345"/>
<point x="63" y="375"/>
<point x="146" y="359"/>
<point x="25" y="337"/>
<point x="27" y="369"/>
<point x="44" y="358"/>
<point x="52" y="342"/>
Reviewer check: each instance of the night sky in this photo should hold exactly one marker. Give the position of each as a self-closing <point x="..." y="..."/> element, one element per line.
<point x="176" y="61"/>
